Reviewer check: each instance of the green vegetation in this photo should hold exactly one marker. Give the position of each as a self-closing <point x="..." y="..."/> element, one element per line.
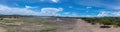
<point x="117" y="23"/>
<point x="104" y="20"/>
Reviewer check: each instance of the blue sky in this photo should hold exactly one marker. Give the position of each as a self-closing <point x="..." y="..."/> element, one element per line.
<point x="71" y="8"/>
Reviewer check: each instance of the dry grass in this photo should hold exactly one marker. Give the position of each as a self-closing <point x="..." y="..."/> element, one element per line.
<point x="33" y="24"/>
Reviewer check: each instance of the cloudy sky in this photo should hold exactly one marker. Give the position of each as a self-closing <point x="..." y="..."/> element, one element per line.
<point x="71" y="8"/>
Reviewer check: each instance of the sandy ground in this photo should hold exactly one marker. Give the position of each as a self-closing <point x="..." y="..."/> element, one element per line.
<point x="2" y="30"/>
<point x="82" y="26"/>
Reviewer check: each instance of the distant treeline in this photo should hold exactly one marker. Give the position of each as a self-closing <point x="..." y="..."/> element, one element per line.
<point x="104" y="20"/>
<point x="14" y="16"/>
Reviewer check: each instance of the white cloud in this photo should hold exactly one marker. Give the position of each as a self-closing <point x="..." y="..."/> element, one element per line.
<point x="109" y="13"/>
<point x="117" y="13"/>
<point x="55" y="1"/>
<point x="29" y="7"/>
<point x="87" y="16"/>
<point x="74" y="15"/>
<point x="25" y="11"/>
<point x="68" y="14"/>
<point x="21" y="11"/>
<point x="51" y="11"/>
<point x="103" y="13"/>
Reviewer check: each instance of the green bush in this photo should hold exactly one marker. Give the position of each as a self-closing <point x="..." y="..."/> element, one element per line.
<point x="105" y="21"/>
<point x="117" y="23"/>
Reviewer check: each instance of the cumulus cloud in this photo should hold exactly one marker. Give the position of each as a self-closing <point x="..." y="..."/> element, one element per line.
<point x="109" y="13"/>
<point x="21" y="11"/>
<point x="25" y="11"/>
<point x="51" y="11"/>
<point x="103" y="13"/>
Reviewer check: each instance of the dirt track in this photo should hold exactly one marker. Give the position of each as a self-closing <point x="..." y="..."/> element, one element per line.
<point x="82" y="26"/>
<point x="2" y="30"/>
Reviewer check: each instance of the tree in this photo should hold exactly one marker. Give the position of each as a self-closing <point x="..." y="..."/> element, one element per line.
<point x="105" y="21"/>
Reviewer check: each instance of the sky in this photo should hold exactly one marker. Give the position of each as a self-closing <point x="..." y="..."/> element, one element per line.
<point x="66" y="8"/>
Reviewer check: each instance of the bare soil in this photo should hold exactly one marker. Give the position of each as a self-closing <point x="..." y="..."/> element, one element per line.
<point x="82" y="26"/>
<point x="2" y="29"/>
<point x="62" y="25"/>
